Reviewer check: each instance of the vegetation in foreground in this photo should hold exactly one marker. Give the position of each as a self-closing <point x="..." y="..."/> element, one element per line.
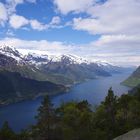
<point x="80" y="121"/>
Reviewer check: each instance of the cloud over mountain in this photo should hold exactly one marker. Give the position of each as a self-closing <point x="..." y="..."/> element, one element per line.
<point x="109" y="28"/>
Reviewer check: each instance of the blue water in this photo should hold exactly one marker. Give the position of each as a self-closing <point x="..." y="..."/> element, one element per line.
<point x="21" y="115"/>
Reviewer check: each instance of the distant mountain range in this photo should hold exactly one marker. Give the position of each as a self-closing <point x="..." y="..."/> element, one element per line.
<point x="31" y="75"/>
<point x="63" y="69"/>
<point x="70" y="67"/>
<point x="134" y="79"/>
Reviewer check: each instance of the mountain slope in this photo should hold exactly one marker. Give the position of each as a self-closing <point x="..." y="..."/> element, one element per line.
<point x="62" y="69"/>
<point x="14" y="87"/>
<point x="11" y="60"/>
<point x="71" y="67"/>
<point x="135" y="90"/>
<point x="134" y="78"/>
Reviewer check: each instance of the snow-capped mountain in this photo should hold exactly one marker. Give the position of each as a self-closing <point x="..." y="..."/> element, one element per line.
<point x="59" y="68"/>
<point x="11" y="52"/>
<point x="44" y="59"/>
<point x="38" y="59"/>
<point x="27" y="76"/>
<point x="73" y="67"/>
<point x="67" y="59"/>
<point x="19" y="80"/>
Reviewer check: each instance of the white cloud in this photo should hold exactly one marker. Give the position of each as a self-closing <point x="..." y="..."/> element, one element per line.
<point x="111" y="17"/>
<point x="10" y="33"/>
<point x="117" y="44"/>
<point x="116" y="21"/>
<point x="8" y="15"/>
<point x="118" y="40"/>
<point x="3" y="14"/>
<point x="66" y="6"/>
<point x="54" y="23"/>
<point x="16" y="2"/>
<point x="31" y="1"/>
<point x="36" y="25"/>
<point x="101" y="50"/>
<point x="118" y="24"/>
<point x="117" y="49"/>
<point x="55" y="20"/>
<point x="17" y="21"/>
<point x="42" y="45"/>
<point x="11" y="5"/>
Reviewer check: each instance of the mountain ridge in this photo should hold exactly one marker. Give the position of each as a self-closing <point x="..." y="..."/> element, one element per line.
<point x="24" y="71"/>
<point x="41" y="65"/>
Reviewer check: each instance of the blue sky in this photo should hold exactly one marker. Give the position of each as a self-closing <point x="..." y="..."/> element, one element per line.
<point x="104" y="30"/>
<point x="44" y="11"/>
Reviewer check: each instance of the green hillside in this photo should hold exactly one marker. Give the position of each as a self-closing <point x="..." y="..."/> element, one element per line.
<point x="134" y="79"/>
<point x="14" y="87"/>
<point x="32" y="72"/>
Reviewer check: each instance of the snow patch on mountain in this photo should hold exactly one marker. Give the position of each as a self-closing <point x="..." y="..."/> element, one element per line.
<point x="43" y="57"/>
<point x="11" y="52"/>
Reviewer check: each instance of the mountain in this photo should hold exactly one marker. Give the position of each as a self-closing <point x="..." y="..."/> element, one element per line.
<point x="134" y="79"/>
<point x="113" y="69"/>
<point x="72" y="70"/>
<point x="135" y="90"/>
<point x="13" y="61"/>
<point x="27" y="76"/>
<point x="59" y="69"/>
<point x="14" y="87"/>
<point x="71" y="67"/>
<point x="20" y="80"/>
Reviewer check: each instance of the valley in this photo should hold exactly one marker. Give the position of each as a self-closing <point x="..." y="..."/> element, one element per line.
<point x="28" y="76"/>
<point x="69" y="69"/>
<point x="26" y="79"/>
<point x="94" y="91"/>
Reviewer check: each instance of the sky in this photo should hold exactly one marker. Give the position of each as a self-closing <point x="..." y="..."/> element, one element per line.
<point x="101" y="30"/>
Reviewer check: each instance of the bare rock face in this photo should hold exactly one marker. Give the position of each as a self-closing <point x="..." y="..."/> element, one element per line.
<point x="132" y="135"/>
<point x="7" y="61"/>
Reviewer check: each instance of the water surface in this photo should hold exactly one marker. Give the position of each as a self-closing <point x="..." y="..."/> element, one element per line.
<point x="21" y="115"/>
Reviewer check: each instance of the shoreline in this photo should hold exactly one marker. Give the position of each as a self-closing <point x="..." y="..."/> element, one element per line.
<point x="68" y="88"/>
<point x="22" y="99"/>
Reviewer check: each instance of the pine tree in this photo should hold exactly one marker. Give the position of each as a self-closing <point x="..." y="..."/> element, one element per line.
<point x="110" y="104"/>
<point x="45" y="119"/>
<point x="6" y="133"/>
